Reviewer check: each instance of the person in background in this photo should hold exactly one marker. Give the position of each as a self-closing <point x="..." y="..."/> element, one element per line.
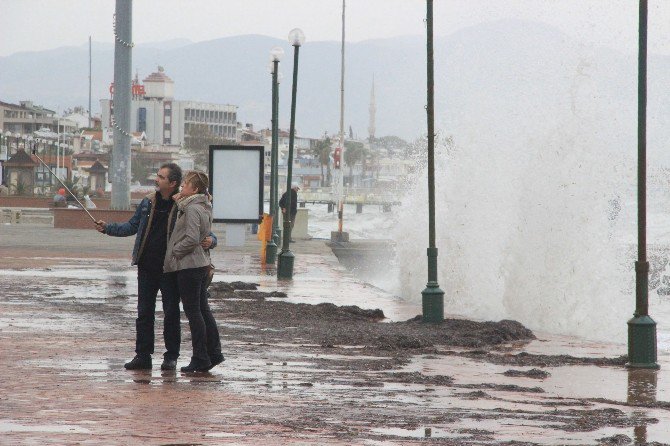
<point x="152" y="222"/>
<point x="294" y="204"/>
<point x="59" y="198"/>
<point x="189" y="262"/>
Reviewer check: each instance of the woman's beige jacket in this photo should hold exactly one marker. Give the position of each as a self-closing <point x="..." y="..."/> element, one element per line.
<point x="194" y="221"/>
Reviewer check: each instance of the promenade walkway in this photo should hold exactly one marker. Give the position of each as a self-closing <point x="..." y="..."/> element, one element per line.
<point x="67" y="309"/>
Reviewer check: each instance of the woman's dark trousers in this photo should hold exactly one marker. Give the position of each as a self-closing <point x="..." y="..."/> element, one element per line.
<point x="204" y="333"/>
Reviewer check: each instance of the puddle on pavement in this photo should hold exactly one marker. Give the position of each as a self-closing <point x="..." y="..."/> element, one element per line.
<point x="349" y="292"/>
<point x="9" y="426"/>
<point x="57" y="323"/>
<point x="223" y="435"/>
<point x="422" y="432"/>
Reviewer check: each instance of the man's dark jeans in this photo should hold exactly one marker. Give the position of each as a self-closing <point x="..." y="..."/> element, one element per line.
<point x="194" y="296"/>
<point x="148" y="284"/>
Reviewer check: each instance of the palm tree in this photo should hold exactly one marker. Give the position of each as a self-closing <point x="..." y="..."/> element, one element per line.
<point x="321" y="152"/>
<point x="354" y="152"/>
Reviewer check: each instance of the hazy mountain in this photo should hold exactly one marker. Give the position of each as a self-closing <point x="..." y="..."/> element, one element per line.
<point x="498" y="78"/>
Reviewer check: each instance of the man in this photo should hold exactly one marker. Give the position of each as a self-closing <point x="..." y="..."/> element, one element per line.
<point x="294" y="204"/>
<point x="153" y="222"/>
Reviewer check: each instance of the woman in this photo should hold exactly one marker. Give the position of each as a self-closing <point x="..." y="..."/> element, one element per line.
<point x="190" y="262"/>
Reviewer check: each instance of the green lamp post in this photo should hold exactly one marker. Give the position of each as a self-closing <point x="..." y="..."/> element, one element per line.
<point x="277" y="230"/>
<point x="271" y="248"/>
<point x="432" y="297"/>
<point x="642" y="328"/>
<point x="286" y="258"/>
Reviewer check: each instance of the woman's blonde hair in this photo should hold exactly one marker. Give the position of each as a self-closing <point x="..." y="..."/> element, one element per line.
<point x="198" y="180"/>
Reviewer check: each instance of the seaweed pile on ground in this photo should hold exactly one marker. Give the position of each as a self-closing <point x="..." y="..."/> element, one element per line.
<point x="330" y="325"/>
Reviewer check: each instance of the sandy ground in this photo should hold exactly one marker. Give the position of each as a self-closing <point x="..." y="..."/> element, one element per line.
<point x="309" y="361"/>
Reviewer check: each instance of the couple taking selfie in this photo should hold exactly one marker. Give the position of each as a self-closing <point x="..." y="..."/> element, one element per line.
<point x="171" y="252"/>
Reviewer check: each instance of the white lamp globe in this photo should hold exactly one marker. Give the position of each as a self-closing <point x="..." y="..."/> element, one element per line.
<point x="277" y="53"/>
<point x="296" y="37"/>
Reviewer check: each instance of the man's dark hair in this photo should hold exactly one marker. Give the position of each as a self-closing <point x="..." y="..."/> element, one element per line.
<point x="175" y="172"/>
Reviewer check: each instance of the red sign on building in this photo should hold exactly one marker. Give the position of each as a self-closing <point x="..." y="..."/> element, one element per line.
<point x="136" y="89"/>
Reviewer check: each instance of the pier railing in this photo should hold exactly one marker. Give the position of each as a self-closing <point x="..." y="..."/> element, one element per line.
<point x="369" y="196"/>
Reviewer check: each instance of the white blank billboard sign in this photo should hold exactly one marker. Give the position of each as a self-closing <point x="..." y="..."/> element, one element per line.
<point x="236" y="180"/>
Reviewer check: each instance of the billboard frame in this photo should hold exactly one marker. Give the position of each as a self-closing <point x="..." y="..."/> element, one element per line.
<point x="215" y="179"/>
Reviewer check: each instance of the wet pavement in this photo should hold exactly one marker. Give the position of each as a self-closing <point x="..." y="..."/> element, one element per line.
<point x="67" y="312"/>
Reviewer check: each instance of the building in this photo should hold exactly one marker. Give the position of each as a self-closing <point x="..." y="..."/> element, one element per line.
<point x="165" y="120"/>
<point x="25" y="175"/>
<point x="27" y="118"/>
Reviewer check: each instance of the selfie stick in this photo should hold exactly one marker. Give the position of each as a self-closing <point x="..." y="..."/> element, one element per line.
<point x="61" y="182"/>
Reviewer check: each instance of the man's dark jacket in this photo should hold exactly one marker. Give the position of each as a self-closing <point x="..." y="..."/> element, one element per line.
<point x="294" y="202"/>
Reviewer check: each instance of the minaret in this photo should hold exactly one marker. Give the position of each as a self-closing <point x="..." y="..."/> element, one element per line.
<point x="373" y="111"/>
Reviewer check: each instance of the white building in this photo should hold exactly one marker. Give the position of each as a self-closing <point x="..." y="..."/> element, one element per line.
<point x="165" y="120"/>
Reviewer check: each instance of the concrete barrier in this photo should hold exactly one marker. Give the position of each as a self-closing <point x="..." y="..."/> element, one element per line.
<point x="301" y="226"/>
<point x="67" y="218"/>
<point x="18" y="201"/>
<point x="26" y="216"/>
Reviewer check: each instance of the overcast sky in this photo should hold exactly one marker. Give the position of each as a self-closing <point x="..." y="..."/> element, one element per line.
<point x="29" y="25"/>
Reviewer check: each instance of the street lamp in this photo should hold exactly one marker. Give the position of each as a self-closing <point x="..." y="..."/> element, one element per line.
<point x="642" y="328"/>
<point x="8" y="135"/>
<point x="277" y="230"/>
<point x="271" y="248"/>
<point x="286" y="258"/>
<point x="432" y="297"/>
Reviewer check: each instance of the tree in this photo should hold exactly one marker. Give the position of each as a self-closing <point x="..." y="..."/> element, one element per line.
<point x="393" y="144"/>
<point x="321" y="152"/>
<point x="197" y="143"/>
<point x="21" y="187"/>
<point x="73" y="186"/>
<point x="354" y="152"/>
<point x="140" y="169"/>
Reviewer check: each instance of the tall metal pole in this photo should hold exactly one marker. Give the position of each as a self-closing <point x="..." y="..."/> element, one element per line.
<point x="340" y="204"/>
<point x="275" y="131"/>
<point x="57" y="141"/>
<point x="432" y="296"/>
<point x="90" y="78"/>
<point x="120" y="169"/>
<point x="271" y="247"/>
<point x="286" y="257"/>
<point x="642" y="328"/>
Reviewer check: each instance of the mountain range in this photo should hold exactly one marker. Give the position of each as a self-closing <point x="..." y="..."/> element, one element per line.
<point x="506" y="79"/>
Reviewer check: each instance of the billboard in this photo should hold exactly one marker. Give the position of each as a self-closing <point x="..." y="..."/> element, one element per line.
<point x="236" y="183"/>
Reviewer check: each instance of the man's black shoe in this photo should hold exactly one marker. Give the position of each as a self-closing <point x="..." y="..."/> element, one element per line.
<point x="216" y="360"/>
<point x="139" y="363"/>
<point x="196" y="367"/>
<point x="169" y="364"/>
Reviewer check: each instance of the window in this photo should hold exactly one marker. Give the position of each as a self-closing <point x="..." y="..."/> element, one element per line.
<point x="142" y="119"/>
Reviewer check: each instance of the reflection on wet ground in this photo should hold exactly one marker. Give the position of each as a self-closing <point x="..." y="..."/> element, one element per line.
<point x="66" y="331"/>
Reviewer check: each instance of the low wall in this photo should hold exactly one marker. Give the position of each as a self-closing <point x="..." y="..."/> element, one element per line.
<point x="26" y="216"/>
<point x="16" y="201"/>
<point x="67" y="218"/>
